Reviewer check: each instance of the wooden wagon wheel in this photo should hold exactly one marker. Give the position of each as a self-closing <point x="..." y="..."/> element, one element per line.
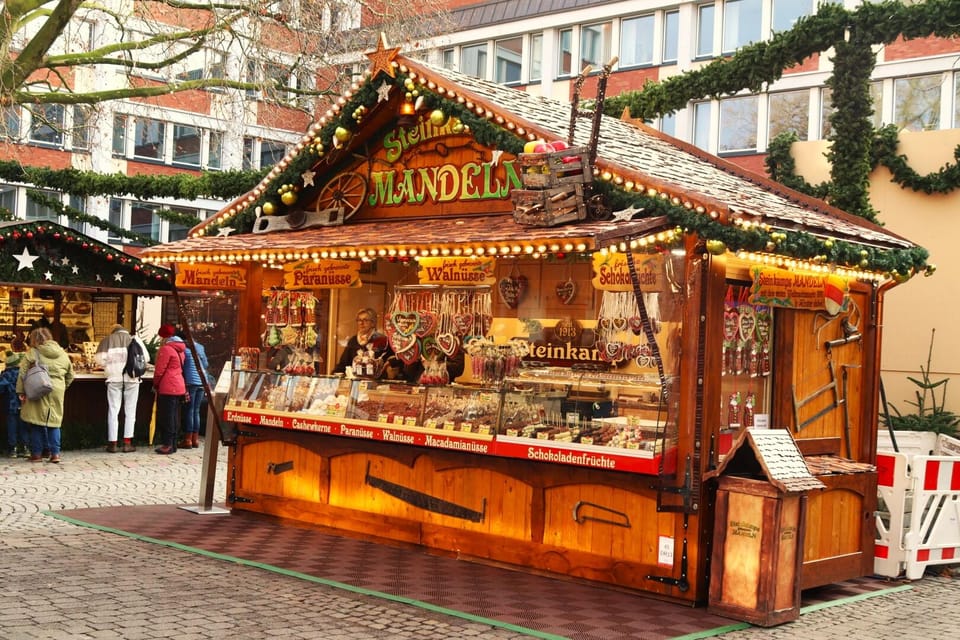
<point x="346" y="190"/>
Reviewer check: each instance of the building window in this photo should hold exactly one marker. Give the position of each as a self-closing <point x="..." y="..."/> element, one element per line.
<point x="787" y="12"/>
<point x="738" y="124"/>
<point x="741" y="23"/>
<point x="144" y="220"/>
<point x="448" y="59"/>
<point x="80" y="132"/>
<point x="508" y="60"/>
<point x="11" y="122"/>
<point x="536" y="56"/>
<point x="46" y="126"/>
<point x="271" y="153"/>
<point x="473" y="60"/>
<point x="826" y="108"/>
<point x="78" y="203"/>
<point x="789" y="111"/>
<point x="701" y="125"/>
<point x="594" y="45"/>
<point x="668" y="124"/>
<point x="565" y="52"/>
<point x="248" y="154"/>
<point x="216" y="64"/>
<point x="705" y="18"/>
<point x="120" y="135"/>
<point x="37" y="211"/>
<point x="115" y="217"/>
<point x="215" y="150"/>
<point x="636" y="41"/>
<point x="148" y="138"/>
<point x="8" y="199"/>
<point x="187" y="144"/>
<point x="177" y="231"/>
<point x="916" y="103"/>
<point x="671" y="35"/>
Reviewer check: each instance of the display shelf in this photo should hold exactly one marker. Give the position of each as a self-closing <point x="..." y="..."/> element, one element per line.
<point x="387" y="402"/>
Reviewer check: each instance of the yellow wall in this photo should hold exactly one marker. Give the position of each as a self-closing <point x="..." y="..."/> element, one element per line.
<point x="923" y="304"/>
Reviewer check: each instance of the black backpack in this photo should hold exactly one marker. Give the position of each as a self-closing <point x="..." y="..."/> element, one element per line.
<point x="136" y="360"/>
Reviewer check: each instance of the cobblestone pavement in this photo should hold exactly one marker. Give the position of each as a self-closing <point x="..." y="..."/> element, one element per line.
<point x="59" y="580"/>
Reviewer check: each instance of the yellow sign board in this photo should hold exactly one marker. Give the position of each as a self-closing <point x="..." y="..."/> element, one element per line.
<point x="457" y="271"/>
<point x="778" y="287"/>
<point x="611" y="273"/>
<point x="211" y="276"/>
<point x="324" y="274"/>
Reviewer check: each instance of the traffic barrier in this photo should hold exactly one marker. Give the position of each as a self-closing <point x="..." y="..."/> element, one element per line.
<point x="918" y="514"/>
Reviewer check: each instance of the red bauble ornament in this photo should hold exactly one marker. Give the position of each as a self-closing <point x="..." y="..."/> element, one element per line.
<point x="136" y="267"/>
<point x="29" y="235"/>
<point x="109" y="256"/>
<point x="56" y="236"/>
<point x="16" y="235"/>
<point x="86" y="245"/>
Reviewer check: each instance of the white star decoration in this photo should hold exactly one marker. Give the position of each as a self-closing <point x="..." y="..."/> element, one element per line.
<point x="48" y="275"/>
<point x="495" y="159"/>
<point x="225" y="231"/>
<point x="308" y="177"/>
<point x="626" y="214"/>
<point x="25" y="259"/>
<point x="99" y="279"/>
<point x="383" y="92"/>
<point x="75" y="269"/>
<point x="118" y="277"/>
<point x="64" y="260"/>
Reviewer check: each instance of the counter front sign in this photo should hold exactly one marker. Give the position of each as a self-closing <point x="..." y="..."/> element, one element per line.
<point x="325" y="274"/>
<point x="792" y="290"/>
<point x="458" y="271"/>
<point x="211" y="276"/>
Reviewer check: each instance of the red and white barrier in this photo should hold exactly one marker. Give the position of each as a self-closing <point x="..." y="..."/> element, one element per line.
<point x="918" y="518"/>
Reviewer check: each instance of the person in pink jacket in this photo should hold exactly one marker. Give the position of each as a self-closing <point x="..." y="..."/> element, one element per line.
<point x="169" y="386"/>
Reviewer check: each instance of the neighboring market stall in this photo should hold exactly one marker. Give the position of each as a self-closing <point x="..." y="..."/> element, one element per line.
<point x="78" y="287"/>
<point x="625" y="305"/>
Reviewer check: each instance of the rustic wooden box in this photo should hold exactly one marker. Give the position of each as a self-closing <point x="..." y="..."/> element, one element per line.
<point x="548" y="207"/>
<point x="555" y="168"/>
<point x="757" y="552"/>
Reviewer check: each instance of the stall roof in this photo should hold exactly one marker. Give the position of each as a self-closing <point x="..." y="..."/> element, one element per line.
<point x="46" y="254"/>
<point x="630" y="156"/>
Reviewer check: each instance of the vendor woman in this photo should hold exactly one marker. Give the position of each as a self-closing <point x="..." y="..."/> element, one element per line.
<point x="366" y="333"/>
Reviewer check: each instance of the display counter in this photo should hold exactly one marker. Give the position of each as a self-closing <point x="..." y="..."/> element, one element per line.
<point x="594" y="419"/>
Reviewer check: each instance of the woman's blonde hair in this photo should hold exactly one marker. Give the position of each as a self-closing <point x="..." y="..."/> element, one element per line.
<point x="370" y="312"/>
<point x="39" y="335"/>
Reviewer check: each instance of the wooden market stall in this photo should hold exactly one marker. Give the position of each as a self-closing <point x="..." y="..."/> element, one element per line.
<point x="626" y="306"/>
<point x="79" y="288"/>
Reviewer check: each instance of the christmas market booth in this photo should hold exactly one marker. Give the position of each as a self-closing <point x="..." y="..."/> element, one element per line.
<point x="578" y="318"/>
<point x="79" y="288"/>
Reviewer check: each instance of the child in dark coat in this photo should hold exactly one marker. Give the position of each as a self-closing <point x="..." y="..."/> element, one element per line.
<point x="16" y="431"/>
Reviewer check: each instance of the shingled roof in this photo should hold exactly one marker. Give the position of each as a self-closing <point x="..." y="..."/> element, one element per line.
<point x="773" y="453"/>
<point x="631" y="153"/>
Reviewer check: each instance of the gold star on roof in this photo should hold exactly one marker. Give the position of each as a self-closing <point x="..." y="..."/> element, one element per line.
<point x="382" y="58"/>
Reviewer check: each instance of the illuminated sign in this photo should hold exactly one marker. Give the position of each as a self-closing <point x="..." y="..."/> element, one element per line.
<point x="457" y="271"/>
<point x="211" y="276"/>
<point x="324" y="274"/>
<point x="611" y="272"/>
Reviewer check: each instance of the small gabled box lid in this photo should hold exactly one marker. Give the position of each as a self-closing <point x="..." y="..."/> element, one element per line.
<point x="770" y="454"/>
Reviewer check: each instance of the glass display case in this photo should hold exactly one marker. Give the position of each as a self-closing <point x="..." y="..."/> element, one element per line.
<point x="324" y="396"/>
<point x="387" y="402"/>
<point x="599" y="409"/>
<point x="462" y="409"/>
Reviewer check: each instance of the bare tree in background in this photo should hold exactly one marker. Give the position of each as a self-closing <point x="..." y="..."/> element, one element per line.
<point x="289" y="52"/>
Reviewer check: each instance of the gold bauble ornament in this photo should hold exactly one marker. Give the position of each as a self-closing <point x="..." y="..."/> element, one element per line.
<point x="716" y="247"/>
<point x="269" y="208"/>
<point x="458" y="128"/>
<point x="288" y="198"/>
<point x="342" y="134"/>
<point x="438" y="118"/>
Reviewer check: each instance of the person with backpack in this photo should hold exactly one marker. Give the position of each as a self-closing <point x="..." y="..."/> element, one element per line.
<point x="124" y="358"/>
<point x="43" y="414"/>
<point x="16" y="431"/>
<point x="194" y="379"/>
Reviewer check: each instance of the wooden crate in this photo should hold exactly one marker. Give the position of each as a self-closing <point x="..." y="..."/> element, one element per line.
<point x="555" y="168"/>
<point x="548" y="207"/>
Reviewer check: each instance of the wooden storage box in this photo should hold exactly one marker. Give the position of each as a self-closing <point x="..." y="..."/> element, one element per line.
<point x="555" y="168"/>
<point x="549" y="207"/>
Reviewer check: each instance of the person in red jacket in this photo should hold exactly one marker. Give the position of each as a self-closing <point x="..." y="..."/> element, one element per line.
<point x="169" y="386"/>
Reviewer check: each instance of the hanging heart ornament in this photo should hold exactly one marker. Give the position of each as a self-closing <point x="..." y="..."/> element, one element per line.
<point x="401" y="343"/>
<point x="405" y="322"/>
<point x="448" y="343"/>
<point x="512" y="289"/>
<point x="567" y="291"/>
<point x="426" y="323"/>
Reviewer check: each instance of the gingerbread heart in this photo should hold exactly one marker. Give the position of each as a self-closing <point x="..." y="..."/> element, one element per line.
<point x="512" y="289"/>
<point x="427" y="323"/>
<point x="567" y="291"/>
<point x="636" y="324"/>
<point x="430" y="348"/>
<point x="447" y="343"/>
<point x="406" y="322"/>
<point x="411" y="355"/>
<point x="401" y="343"/>
<point x="463" y="323"/>
<point x="619" y="324"/>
